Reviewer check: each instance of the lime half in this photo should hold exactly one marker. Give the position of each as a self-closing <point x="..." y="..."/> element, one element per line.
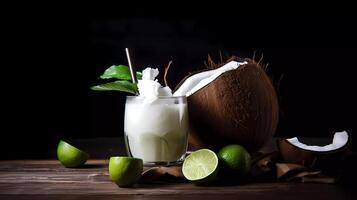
<point x="125" y="171"/>
<point x="70" y="156"/>
<point x="201" y="166"/>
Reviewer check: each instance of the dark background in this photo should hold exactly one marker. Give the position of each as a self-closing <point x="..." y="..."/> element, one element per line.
<point x="53" y="58"/>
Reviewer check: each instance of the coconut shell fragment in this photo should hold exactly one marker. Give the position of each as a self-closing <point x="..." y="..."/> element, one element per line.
<point x="328" y="160"/>
<point x="240" y="106"/>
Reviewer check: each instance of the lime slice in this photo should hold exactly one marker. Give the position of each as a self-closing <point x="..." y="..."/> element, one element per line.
<point x="201" y="166"/>
<point x="70" y="156"/>
<point x="125" y="171"/>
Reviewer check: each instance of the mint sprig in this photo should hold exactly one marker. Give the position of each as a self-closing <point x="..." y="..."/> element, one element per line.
<point x="119" y="72"/>
<point x="123" y="82"/>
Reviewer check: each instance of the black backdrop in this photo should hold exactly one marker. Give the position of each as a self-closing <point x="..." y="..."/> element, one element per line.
<point x="53" y="59"/>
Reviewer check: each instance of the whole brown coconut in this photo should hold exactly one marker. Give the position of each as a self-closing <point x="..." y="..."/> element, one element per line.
<point x="240" y="106"/>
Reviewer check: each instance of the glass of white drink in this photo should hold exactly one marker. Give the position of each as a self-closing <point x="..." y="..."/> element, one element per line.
<point x="156" y="132"/>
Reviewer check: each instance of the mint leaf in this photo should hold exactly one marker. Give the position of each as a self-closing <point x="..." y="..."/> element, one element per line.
<point x="119" y="72"/>
<point x="124" y="86"/>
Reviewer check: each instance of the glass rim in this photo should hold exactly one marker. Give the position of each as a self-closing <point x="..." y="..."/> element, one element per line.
<point x="159" y="97"/>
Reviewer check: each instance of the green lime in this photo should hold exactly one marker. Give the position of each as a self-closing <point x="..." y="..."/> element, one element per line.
<point x="70" y="156"/>
<point x="236" y="158"/>
<point x="125" y="171"/>
<point x="200" y="166"/>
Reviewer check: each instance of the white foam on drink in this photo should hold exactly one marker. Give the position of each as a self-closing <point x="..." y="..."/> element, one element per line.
<point x="150" y="88"/>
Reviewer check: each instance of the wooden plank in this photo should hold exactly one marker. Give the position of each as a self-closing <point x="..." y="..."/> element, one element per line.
<point x="48" y="179"/>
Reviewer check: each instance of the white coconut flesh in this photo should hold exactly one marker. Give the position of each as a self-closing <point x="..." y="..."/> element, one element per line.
<point x="195" y="82"/>
<point x="340" y="139"/>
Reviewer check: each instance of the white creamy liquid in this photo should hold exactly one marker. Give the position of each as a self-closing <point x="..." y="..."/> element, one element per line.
<point x="156" y="132"/>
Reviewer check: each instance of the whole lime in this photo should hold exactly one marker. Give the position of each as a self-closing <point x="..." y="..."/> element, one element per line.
<point x="125" y="171"/>
<point x="70" y="156"/>
<point x="236" y="158"/>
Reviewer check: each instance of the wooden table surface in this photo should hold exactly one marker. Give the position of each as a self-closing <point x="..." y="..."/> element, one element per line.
<point x="48" y="179"/>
